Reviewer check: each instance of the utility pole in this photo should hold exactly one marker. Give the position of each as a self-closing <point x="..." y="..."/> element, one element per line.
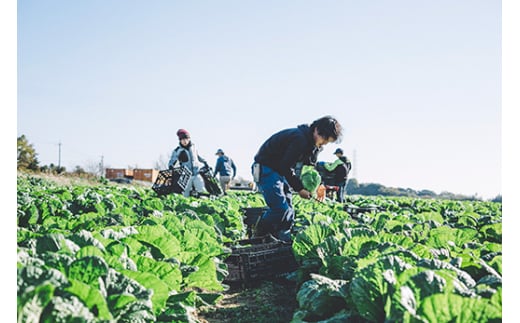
<point x="101" y="166"/>
<point x="59" y="155"/>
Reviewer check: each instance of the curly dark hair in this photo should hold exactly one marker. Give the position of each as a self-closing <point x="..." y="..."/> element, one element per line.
<point x="328" y="127"/>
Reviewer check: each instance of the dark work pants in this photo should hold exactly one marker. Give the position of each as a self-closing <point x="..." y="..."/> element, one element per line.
<point x="279" y="219"/>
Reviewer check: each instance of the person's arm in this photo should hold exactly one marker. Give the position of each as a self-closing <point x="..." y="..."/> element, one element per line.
<point x="328" y="166"/>
<point x="173" y="158"/>
<point x="202" y="160"/>
<point x="234" y="168"/>
<point x="331" y="166"/>
<point x="289" y="158"/>
<point x="218" y="166"/>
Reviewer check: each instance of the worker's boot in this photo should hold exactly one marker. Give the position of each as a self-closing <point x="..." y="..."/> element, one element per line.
<point x="259" y="228"/>
<point x="284" y="236"/>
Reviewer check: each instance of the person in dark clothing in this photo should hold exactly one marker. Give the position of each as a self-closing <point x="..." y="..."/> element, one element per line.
<point x="340" y="168"/>
<point x="226" y="169"/>
<point x="273" y="171"/>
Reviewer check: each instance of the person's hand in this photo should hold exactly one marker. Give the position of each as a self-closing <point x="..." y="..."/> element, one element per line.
<point x="304" y="194"/>
<point x="321" y="192"/>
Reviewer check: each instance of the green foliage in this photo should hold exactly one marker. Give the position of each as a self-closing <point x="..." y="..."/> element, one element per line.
<point x="122" y="252"/>
<point x="321" y="297"/>
<point x="406" y="261"/>
<point x="375" y="189"/>
<point x="455" y="308"/>
<point x="311" y="179"/>
<point x="26" y="154"/>
<point x="114" y="253"/>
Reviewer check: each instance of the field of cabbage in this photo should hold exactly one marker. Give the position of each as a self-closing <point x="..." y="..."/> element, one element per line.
<point x="120" y="253"/>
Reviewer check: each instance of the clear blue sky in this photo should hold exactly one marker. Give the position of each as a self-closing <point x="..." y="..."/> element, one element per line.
<point x="416" y="84"/>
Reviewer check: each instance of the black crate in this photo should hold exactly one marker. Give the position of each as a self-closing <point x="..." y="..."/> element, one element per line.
<point x="251" y="214"/>
<point x="210" y="182"/>
<point x="354" y="210"/>
<point x="172" y="181"/>
<point x="261" y="258"/>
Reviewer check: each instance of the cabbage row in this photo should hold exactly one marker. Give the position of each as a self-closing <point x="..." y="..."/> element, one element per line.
<point x="410" y="260"/>
<point x="108" y="253"/>
<point x="117" y="253"/>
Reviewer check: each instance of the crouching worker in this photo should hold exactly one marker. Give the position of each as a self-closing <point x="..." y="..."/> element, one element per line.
<point x="273" y="171"/>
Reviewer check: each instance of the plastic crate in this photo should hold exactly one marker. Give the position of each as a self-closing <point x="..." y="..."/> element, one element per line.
<point x="261" y="258"/>
<point x="172" y="181"/>
<point x="355" y="210"/>
<point x="210" y="182"/>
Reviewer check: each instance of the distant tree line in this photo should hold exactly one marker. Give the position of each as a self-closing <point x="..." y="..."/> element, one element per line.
<point x="28" y="161"/>
<point x="353" y="187"/>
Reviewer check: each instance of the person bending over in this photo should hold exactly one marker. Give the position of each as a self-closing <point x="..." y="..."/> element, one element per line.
<point x="273" y="171"/>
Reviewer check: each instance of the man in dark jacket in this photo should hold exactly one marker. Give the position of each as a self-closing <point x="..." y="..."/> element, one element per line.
<point x="226" y="169"/>
<point x="273" y="171"/>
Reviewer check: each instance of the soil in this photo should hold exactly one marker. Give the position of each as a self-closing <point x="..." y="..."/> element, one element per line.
<point x="272" y="301"/>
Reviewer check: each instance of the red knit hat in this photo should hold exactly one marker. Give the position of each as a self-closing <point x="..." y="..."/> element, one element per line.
<point x="183" y="133"/>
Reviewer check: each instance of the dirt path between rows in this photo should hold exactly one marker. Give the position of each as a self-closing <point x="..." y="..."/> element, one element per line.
<point x="272" y="301"/>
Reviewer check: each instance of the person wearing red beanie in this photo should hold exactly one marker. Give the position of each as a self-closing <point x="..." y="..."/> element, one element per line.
<point x="187" y="155"/>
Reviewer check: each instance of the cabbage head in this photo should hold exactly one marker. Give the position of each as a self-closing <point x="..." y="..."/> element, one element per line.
<point x="310" y="178"/>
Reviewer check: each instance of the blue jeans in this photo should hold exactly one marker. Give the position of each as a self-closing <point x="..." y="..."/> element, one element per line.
<point x="279" y="218"/>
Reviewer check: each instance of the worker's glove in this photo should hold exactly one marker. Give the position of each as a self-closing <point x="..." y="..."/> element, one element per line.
<point x="321" y="192"/>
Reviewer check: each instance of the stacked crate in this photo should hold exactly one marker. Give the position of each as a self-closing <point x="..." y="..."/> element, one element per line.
<point x="147" y="175"/>
<point x="259" y="258"/>
<point x="139" y="174"/>
<point x="111" y="173"/>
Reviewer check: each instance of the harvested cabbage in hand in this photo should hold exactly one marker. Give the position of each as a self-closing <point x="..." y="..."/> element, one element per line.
<point x="311" y="179"/>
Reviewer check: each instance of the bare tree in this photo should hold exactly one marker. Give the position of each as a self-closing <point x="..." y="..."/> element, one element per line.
<point x="162" y="162"/>
<point x="92" y="167"/>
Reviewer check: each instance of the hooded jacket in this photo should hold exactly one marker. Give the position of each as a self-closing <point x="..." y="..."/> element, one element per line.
<point x="287" y="147"/>
<point x="341" y="168"/>
<point x="188" y="157"/>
